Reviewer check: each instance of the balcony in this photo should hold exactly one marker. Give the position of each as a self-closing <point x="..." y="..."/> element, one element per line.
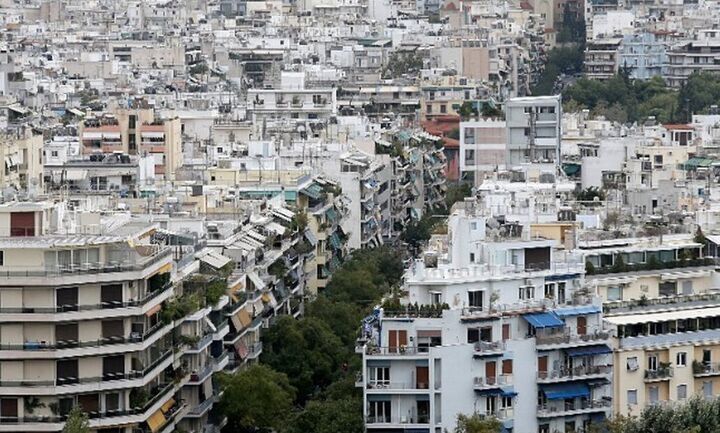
<point x="568" y="338"/>
<point x="201" y="408"/>
<point x="480" y="383"/>
<point x="582" y="372"/>
<point x="255" y="350"/>
<point x="396" y="351"/>
<point x="705" y="369"/>
<point x="92" y="272"/>
<point x="661" y="374"/>
<point x="386" y="421"/>
<point x="501" y="414"/>
<point x="572" y="408"/>
<point x="484" y="348"/>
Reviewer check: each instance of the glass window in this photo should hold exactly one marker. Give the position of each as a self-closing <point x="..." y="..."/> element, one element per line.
<point x="475" y="299"/>
<point x="682" y="392"/>
<point x="632" y="396"/>
<point x="681" y="359"/>
<point x="653" y="394"/>
<point x="707" y="389"/>
<point x="614" y="293"/>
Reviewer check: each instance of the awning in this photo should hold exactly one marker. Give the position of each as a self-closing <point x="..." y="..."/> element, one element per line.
<point x="215" y="260"/>
<point x="168" y="405"/>
<point x="275" y="228"/>
<point x="544" y="320"/>
<point x="566" y="390"/>
<point x="600" y="349"/>
<point x="335" y="241"/>
<point x="502" y="391"/>
<point x="241" y="319"/>
<point x="577" y="311"/>
<point x="312" y="191"/>
<point x="154" y="310"/>
<point x="429" y="333"/>
<point x="256" y="280"/>
<point x="310" y="236"/>
<point x="156" y="421"/>
<point x="75" y="174"/>
<point x="241" y="349"/>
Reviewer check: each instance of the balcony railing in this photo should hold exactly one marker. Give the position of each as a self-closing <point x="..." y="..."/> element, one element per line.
<point x="490" y="381"/>
<point x="410" y="419"/>
<point x="92" y="268"/>
<point x="659" y="374"/>
<point x="568" y="337"/>
<point x="71" y="344"/>
<point x="489" y="347"/>
<point x="503" y="413"/>
<point x="575" y="372"/>
<point x="136" y="374"/>
<point x="87" y="307"/>
<point x="706" y="368"/>
<point x="560" y="409"/>
<point x="396" y="351"/>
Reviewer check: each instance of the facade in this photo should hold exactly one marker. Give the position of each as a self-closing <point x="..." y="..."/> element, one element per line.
<point x="482" y="148"/>
<point x="534" y="130"/>
<point x="643" y="55"/>
<point x="503" y="327"/>
<point x="602" y="58"/>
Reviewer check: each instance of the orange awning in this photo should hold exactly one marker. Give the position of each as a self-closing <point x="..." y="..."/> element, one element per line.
<point x="156" y="421"/>
<point x="154" y="310"/>
<point x="168" y="405"/>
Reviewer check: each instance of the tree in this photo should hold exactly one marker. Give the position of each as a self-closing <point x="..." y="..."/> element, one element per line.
<point x="330" y="416"/>
<point x="467" y="110"/>
<point x="257" y="400"/>
<point x="456" y="193"/>
<point x="416" y="233"/>
<point x="477" y="423"/>
<point x="341" y="317"/>
<point x="77" y="422"/>
<point x="307" y="351"/>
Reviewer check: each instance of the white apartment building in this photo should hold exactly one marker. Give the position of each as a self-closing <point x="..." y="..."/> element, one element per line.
<point x="534" y="130"/>
<point x="492" y="324"/>
<point x="482" y="148"/>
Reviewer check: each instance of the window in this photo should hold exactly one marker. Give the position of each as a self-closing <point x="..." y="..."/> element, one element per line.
<point x="526" y="292"/>
<point x="668" y="288"/>
<point x="435" y="298"/>
<point x="428" y="109"/>
<point x="469" y="156"/>
<point x="614" y="293"/>
<point x="687" y="287"/>
<point x="379" y="411"/>
<point x="443" y="108"/>
<point x="653" y="394"/>
<point x="707" y="389"/>
<point x="569" y="426"/>
<point x="472" y="257"/>
<point x="681" y="359"/>
<point x="632" y="363"/>
<point x="380" y="375"/>
<point x="54" y="153"/>
<point x="112" y="402"/>
<point x="652" y="363"/>
<point x="632" y="396"/>
<point x="475" y="299"/>
<point x="707" y="356"/>
<point x="473" y="335"/>
<point x="682" y="392"/>
<point x="2" y="258"/>
<point x="506" y="402"/>
<point x="473" y="225"/>
<point x="550" y="291"/>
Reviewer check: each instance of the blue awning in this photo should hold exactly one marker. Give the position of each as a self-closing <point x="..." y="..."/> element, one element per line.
<point x="600" y="349"/>
<point x="577" y="311"/>
<point x="566" y="390"/>
<point x="507" y="391"/>
<point x="544" y="320"/>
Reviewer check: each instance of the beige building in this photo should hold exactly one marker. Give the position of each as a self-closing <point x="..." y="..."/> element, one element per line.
<point x="81" y="324"/>
<point x="136" y="132"/>
<point x="21" y="153"/>
<point x="666" y="350"/>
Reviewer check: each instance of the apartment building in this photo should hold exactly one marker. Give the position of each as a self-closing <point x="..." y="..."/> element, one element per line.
<point x="21" y="153"/>
<point x="82" y="323"/>
<point x="601" y="58"/>
<point x="136" y="131"/>
<point x="494" y="324"/>
<point x="534" y="130"/>
<point x="666" y="350"/>
<point x="447" y="95"/>
<point x="643" y="55"/>
<point x="366" y="181"/>
<point x="632" y="268"/>
<point x="482" y="148"/>
<point x="698" y="55"/>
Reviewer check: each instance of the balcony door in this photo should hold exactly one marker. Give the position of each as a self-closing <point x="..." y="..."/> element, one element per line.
<point x="582" y="325"/>
<point x="396" y="340"/>
<point x="66" y="299"/>
<point x="9" y="409"/>
<point x="490" y="372"/>
<point x="422" y="376"/>
<point x="111" y="295"/>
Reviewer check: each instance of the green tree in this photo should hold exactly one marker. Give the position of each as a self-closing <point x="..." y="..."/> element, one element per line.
<point x="77" y="421"/>
<point x="330" y="416"/>
<point x="416" y="233"/>
<point x="256" y="400"/>
<point x="468" y="110"/>
<point x="341" y="317"/>
<point x="477" y="423"/>
<point x="456" y="193"/>
<point x="307" y="351"/>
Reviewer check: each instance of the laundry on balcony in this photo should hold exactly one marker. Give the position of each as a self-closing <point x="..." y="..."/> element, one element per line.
<point x="563" y="391"/>
<point x="544" y="320"/>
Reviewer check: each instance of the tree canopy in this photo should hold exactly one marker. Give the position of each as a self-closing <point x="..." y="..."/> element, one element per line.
<point x="476" y="423"/>
<point x="256" y="400"/>
<point x="77" y="422"/>
<point x="695" y="416"/>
